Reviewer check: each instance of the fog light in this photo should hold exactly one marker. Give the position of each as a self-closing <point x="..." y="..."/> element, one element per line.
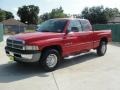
<point x="31" y="47"/>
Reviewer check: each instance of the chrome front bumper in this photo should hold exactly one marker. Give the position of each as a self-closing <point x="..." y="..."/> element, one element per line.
<point x="23" y="57"/>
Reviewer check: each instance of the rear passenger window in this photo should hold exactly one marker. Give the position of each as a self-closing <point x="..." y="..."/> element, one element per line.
<point x="86" y="25"/>
<point x="74" y="26"/>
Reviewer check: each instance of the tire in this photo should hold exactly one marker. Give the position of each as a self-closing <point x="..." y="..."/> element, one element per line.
<point x="50" y="59"/>
<point x="101" y="50"/>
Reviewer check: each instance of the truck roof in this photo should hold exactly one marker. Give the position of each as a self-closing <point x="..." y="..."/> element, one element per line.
<point x="68" y="19"/>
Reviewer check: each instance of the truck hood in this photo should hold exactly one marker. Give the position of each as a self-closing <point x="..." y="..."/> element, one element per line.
<point x="30" y="37"/>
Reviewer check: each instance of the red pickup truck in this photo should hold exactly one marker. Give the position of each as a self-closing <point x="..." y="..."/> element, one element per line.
<point x="55" y="39"/>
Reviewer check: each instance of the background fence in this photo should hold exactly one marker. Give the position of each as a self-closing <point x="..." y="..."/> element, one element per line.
<point x="15" y="29"/>
<point x="1" y="32"/>
<point x="114" y="27"/>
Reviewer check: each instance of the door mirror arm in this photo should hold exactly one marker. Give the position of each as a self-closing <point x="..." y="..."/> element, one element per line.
<point x="67" y="31"/>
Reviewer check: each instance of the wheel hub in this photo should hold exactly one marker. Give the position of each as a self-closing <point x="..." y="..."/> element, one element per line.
<point x="51" y="60"/>
<point x="103" y="49"/>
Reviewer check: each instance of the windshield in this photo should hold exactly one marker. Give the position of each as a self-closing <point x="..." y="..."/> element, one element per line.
<point x="53" y="25"/>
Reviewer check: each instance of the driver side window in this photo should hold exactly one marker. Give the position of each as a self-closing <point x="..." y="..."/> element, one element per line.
<point x="74" y="26"/>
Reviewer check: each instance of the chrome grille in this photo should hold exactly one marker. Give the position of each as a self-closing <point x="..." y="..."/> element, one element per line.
<point x="16" y="44"/>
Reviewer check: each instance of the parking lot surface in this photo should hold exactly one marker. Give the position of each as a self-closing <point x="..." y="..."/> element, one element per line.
<point x="82" y="72"/>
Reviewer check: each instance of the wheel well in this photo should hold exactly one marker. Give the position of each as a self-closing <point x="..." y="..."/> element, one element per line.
<point x="56" y="47"/>
<point x="104" y="39"/>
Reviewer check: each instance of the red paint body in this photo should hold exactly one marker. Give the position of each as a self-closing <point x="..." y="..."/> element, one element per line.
<point x="73" y="42"/>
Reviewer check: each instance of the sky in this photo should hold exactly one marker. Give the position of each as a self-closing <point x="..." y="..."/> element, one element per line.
<point x="69" y="6"/>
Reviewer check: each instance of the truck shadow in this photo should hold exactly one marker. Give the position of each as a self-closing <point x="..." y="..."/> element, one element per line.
<point x="78" y="59"/>
<point x="11" y="72"/>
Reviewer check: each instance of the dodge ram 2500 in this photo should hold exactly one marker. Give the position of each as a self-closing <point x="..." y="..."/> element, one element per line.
<point x="55" y="39"/>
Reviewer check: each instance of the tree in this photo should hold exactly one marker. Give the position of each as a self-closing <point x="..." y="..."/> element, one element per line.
<point x="8" y="15"/>
<point x="55" y="13"/>
<point x="28" y="14"/>
<point x="5" y="15"/>
<point x="2" y="15"/>
<point x="111" y="13"/>
<point x="44" y="17"/>
<point x="76" y="15"/>
<point x="95" y="15"/>
<point x="99" y="14"/>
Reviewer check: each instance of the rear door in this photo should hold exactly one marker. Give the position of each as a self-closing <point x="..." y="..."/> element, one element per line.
<point x="86" y="35"/>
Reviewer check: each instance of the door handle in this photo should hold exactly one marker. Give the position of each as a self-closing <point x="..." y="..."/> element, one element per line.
<point x="71" y="36"/>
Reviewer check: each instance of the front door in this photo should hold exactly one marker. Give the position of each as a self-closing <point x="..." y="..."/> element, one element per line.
<point x="72" y="39"/>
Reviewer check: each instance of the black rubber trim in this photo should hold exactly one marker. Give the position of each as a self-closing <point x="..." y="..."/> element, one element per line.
<point x="21" y="51"/>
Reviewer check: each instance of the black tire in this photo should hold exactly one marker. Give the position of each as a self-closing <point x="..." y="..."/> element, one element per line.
<point x="44" y="56"/>
<point x="101" y="50"/>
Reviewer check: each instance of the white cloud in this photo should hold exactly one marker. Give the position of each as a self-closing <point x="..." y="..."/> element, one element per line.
<point x="15" y="9"/>
<point x="53" y="0"/>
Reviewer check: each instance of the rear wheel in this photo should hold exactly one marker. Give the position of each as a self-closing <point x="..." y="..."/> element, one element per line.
<point x="50" y="59"/>
<point x="101" y="50"/>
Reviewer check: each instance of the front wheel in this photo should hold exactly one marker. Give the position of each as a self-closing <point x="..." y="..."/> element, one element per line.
<point x="101" y="50"/>
<point x="50" y="59"/>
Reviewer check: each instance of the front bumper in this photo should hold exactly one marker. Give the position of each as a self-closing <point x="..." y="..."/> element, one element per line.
<point x="23" y="55"/>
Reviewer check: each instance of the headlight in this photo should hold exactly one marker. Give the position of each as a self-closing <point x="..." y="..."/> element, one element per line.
<point x="31" y="48"/>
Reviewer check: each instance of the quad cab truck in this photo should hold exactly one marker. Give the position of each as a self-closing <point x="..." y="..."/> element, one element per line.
<point x="56" y="39"/>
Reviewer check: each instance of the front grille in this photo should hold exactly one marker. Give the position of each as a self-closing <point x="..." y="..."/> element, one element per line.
<point x="16" y="44"/>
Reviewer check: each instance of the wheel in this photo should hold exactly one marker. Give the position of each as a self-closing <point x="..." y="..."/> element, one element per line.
<point x="50" y="59"/>
<point x="101" y="50"/>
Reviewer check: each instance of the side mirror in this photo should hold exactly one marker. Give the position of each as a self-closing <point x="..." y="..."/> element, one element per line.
<point x="67" y="31"/>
